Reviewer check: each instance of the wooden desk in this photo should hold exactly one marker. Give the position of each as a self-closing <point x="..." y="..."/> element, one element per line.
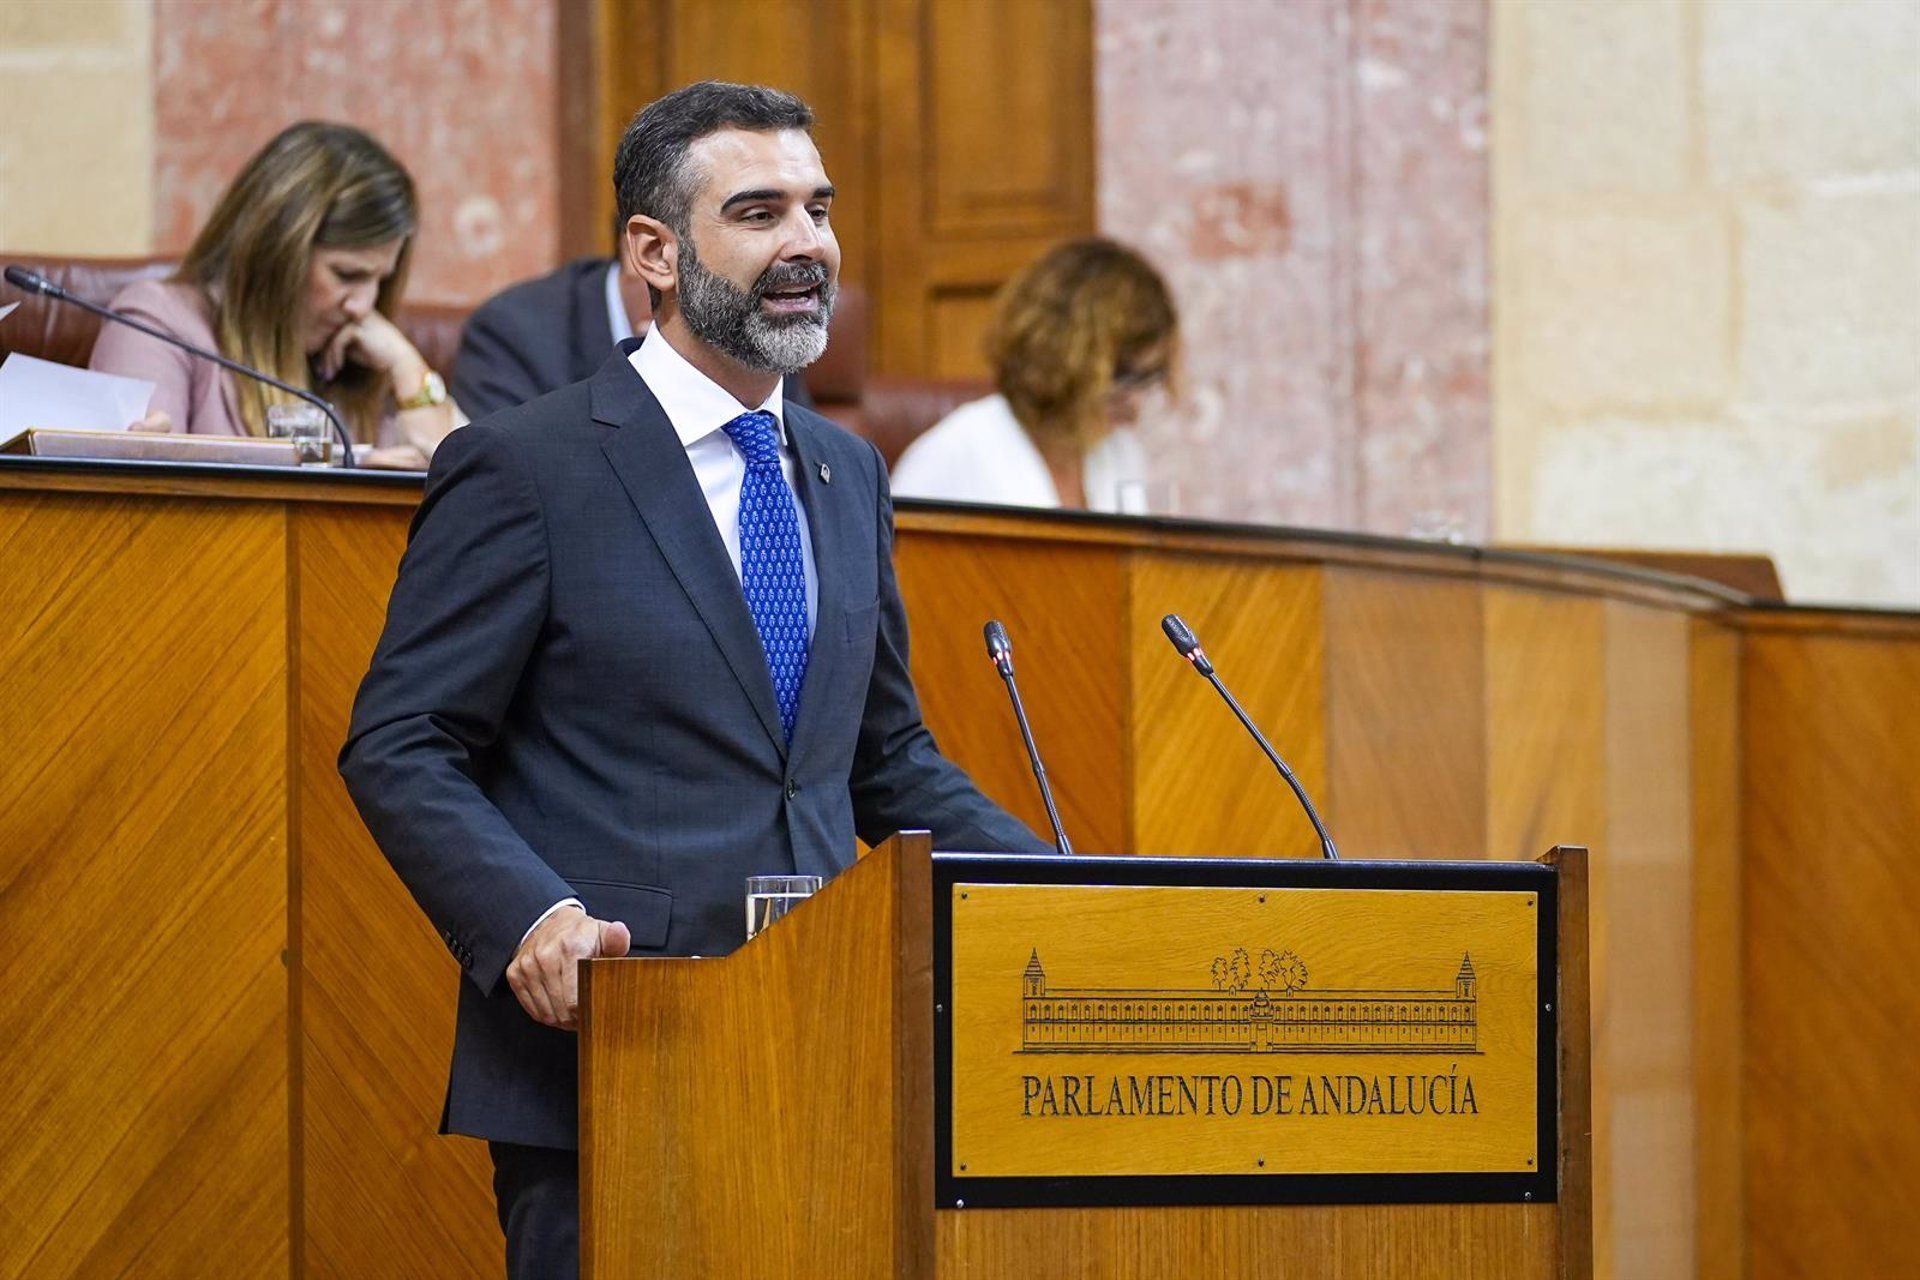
<point x="227" y="1026"/>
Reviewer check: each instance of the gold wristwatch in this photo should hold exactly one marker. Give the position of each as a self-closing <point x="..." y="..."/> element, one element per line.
<point x="433" y="391"/>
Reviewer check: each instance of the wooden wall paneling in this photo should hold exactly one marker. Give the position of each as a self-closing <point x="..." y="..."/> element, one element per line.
<point x="1545" y="658"/>
<point x="1009" y="109"/>
<point x="1545" y="661"/>
<point x="983" y="142"/>
<point x="1382" y="1242"/>
<point x="1830" y="815"/>
<point x="1643" y="994"/>
<point x="585" y="125"/>
<point x="1406" y="724"/>
<point x="384" y="1194"/>
<point x="152" y="734"/>
<point x="1713" y="705"/>
<point x="633" y="68"/>
<point x="960" y="283"/>
<point x="143" y="885"/>
<point x="1065" y="607"/>
<point x="1200" y="785"/>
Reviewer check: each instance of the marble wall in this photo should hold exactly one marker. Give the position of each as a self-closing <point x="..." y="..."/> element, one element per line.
<point x="1312" y="178"/>
<point x="1707" y="255"/>
<point x="462" y="91"/>
<point x="76" y="80"/>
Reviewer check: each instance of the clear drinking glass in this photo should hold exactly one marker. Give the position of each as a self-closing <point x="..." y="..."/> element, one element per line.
<point x="307" y="427"/>
<point x="1438" y="525"/>
<point x="770" y="897"/>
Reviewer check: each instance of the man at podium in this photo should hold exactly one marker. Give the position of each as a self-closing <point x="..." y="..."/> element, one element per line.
<point x="645" y="642"/>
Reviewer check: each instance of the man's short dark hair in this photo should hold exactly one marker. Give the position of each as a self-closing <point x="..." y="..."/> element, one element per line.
<point x="650" y="169"/>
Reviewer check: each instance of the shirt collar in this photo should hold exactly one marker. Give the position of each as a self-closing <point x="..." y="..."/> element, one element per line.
<point x="695" y="404"/>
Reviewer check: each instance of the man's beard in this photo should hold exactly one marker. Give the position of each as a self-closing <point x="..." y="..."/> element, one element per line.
<point x="732" y="321"/>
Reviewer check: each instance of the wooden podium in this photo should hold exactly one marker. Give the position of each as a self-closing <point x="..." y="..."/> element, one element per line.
<point x="965" y="1065"/>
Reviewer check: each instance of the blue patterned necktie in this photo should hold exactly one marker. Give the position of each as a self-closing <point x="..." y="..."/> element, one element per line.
<point x="772" y="571"/>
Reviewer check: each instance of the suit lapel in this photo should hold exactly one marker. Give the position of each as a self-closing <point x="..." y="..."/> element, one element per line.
<point x="652" y="466"/>
<point x="827" y="524"/>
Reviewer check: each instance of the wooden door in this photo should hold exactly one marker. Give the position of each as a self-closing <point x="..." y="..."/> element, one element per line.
<point x="985" y="141"/>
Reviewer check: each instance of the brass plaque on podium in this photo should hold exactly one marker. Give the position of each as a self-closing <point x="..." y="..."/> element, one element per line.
<point x="1375" y="1040"/>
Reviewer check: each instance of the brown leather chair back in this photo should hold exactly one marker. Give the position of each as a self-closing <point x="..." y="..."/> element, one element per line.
<point x="894" y="411"/>
<point x="434" y="329"/>
<point x="53" y="330"/>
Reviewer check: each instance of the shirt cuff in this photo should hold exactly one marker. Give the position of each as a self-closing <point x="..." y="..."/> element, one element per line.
<point x="564" y="902"/>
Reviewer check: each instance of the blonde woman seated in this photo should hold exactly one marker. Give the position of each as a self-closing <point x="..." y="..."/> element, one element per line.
<point x="1078" y="341"/>
<point x="297" y="272"/>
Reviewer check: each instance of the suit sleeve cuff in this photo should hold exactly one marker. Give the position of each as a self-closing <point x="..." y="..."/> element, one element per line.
<point x="564" y="902"/>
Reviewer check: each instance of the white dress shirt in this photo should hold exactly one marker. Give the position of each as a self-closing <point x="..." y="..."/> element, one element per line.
<point x="981" y="453"/>
<point x="699" y="410"/>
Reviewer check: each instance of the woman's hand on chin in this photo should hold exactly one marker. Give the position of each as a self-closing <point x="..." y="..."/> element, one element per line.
<point x="374" y="343"/>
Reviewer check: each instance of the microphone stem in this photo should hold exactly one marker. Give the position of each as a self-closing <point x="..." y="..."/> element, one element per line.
<point x="1327" y="850"/>
<point x="346" y="441"/>
<point x="1060" y="840"/>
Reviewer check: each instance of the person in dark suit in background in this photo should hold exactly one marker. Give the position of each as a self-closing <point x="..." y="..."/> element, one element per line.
<point x="541" y="334"/>
<point x="646" y="641"/>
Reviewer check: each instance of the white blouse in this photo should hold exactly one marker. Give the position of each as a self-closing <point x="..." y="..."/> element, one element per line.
<point x="981" y="453"/>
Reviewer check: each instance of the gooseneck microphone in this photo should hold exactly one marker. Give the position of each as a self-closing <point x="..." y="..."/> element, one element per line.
<point x="1189" y="648"/>
<point x="26" y="281"/>
<point x="1000" y="649"/>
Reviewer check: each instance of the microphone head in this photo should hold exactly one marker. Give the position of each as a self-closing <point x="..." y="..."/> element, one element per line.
<point x="1180" y="633"/>
<point x="21" y="278"/>
<point x="1187" y="643"/>
<point x="999" y="648"/>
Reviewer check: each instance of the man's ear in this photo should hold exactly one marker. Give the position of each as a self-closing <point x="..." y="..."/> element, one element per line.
<point x="651" y="251"/>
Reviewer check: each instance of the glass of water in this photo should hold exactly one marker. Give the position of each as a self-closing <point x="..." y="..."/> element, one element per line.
<point x="1438" y="525"/>
<point x="770" y="897"/>
<point x="307" y="428"/>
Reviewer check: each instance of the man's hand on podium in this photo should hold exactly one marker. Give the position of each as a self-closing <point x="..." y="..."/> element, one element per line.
<point x="545" y="971"/>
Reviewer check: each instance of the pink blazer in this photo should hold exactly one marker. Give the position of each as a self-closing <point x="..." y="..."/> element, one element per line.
<point x="197" y="393"/>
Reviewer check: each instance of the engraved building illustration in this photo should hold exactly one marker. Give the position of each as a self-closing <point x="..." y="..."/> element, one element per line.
<point x="1292" y="1018"/>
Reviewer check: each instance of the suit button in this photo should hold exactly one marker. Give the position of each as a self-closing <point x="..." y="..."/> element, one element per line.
<point x="793" y="789"/>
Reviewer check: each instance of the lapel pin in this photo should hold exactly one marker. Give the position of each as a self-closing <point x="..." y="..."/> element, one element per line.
<point x="826" y="474"/>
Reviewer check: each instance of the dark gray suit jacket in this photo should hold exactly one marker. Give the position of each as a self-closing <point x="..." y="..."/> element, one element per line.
<point x="570" y="699"/>
<point x="539" y="335"/>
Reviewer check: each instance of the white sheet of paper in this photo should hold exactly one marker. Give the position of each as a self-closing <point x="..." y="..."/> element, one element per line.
<point x="7" y="310"/>
<point x="40" y="393"/>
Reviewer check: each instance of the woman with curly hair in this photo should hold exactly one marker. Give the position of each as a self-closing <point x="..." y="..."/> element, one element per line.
<point x="1078" y="340"/>
<point x="297" y="272"/>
